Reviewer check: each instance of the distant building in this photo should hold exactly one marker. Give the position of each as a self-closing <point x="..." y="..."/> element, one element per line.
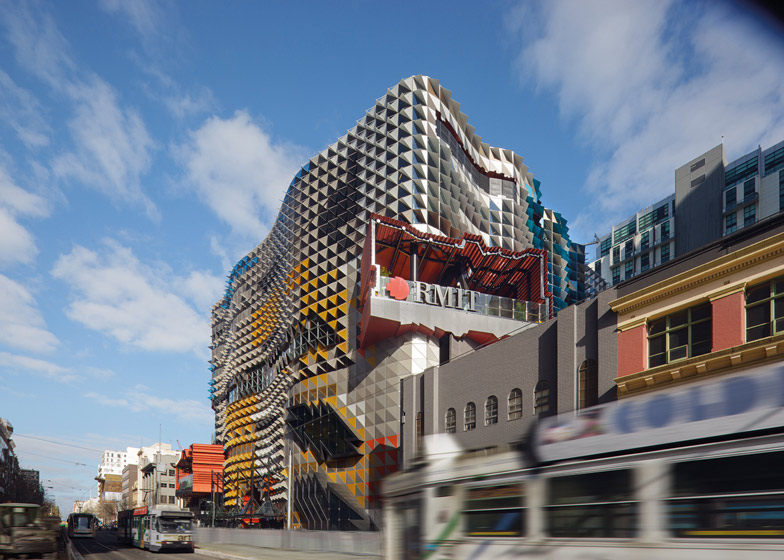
<point x="129" y="486"/>
<point x="7" y="460"/>
<point x="712" y="199"/>
<point x="156" y="475"/>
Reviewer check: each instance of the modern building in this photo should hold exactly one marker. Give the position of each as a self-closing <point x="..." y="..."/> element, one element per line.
<point x="405" y="242"/>
<point x="638" y="244"/>
<point x="712" y="199"/>
<point x="200" y="476"/>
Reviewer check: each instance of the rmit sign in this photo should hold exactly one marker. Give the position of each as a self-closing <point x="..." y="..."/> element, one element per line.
<point x="432" y="294"/>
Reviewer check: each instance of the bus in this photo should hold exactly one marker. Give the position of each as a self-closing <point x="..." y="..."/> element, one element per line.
<point x="692" y="472"/>
<point x="82" y="525"/>
<point x="156" y="528"/>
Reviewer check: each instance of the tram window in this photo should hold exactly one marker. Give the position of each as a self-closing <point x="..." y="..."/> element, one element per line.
<point x="495" y="511"/>
<point x="739" y="497"/>
<point x="598" y="505"/>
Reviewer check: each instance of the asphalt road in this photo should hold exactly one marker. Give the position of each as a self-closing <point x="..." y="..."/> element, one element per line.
<point x="104" y="547"/>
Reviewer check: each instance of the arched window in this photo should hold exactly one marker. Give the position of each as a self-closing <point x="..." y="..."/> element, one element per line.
<point x="469" y="417"/>
<point x="451" y="421"/>
<point x="542" y="397"/>
<point x="515" y="404"/>
<point x="491" y="410"/>
<point x="587" y="384"/>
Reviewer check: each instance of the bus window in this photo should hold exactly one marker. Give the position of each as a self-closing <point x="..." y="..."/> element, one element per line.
<point x="596" y="505"/>
<point x="740" y="496"/>
<point x="495" y="511"/>
<point x="173" y="525"/>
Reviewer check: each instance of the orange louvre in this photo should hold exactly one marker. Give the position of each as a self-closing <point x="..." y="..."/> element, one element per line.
<point x="204" y="462"/>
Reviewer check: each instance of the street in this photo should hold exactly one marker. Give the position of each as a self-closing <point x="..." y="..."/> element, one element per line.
<point x="104" y="547"/>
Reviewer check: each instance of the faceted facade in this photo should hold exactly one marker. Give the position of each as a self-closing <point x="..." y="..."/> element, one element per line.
<point x="300" y="408"/>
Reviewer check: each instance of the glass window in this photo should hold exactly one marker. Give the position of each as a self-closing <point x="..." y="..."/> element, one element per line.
<point x="730" y="223"/>
<point x="542" y="397"/>
<point x="781" y="189"/>
<point x="495" y="511"/>
<point x="628" y="270"/>
<point x="679" y="335"/>
<point x="622" y="233"/>
<point x="645" y="239"/>
<point x="491" y="410"/>
<point x="739" y="497"/>
<point x="774" y="161"/>
<point x="616" y="275"/>
<point x="730" y="198"/>
<point x="616" y="254"/>
<point x="515" y="404"/>
<point x="469" y="417"/>
<point x="604" y="247"/>
<point x="765" y="309"/>
<point x="665" y="231"/>
<point x="451" y="421"/>
<point x="740" y="172"/>
<point x="749" y="215"/>
<point x="596" y="505"/>
<point x="748" y="189"/>
<point x="665" y="253"/>
<point x="628" y="249"/>
<point x="645" y="262"/>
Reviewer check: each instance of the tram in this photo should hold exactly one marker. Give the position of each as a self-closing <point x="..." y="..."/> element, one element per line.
<point x="156" y="528"/>
<point x="82" y="525"/>
<point x="696" y="472"/>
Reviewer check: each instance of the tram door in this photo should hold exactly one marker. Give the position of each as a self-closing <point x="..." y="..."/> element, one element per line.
<point x="411" y="535"/>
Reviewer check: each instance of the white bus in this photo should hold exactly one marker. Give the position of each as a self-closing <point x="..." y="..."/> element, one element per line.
<point x="157" y="528"/>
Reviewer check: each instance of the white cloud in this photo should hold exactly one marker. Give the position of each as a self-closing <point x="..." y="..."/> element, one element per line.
<point x="139" y="305"/>
<point x="21" y="323"/>
<point x="143" y="15"/>
<point x="652" y="84"/>
<point x="141" y="399"/>
<point x="111" y="146"/>
<point x="203" y="288"/>
<point x="16" y="242"/>
<point x="20" y="110"/>
<point x="18" y="364"/>
<point x="239" y="171"/>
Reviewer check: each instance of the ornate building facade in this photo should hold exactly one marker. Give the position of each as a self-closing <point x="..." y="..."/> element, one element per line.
<point x="406" y="241"/>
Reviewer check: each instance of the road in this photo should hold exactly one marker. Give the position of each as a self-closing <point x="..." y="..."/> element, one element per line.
<point x="104" y="547"/>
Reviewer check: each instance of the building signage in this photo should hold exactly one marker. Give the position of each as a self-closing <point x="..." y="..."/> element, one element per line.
<point x="140" y="510"/>
<point x="432" y="294"/>
<point x="753" y="400"/>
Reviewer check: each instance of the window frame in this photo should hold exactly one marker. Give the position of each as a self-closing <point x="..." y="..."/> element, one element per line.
<point x="469" y="425"/>
<point x="671" y="329"/>
<point x="450" y="428"/>
<point x="774" y="299"/>
<point x="515" y="413"/>
<point x="491" y="410"/>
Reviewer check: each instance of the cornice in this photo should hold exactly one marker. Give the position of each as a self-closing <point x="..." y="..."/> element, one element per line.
<point x="768" y="349"/>
<point x="716" y="269"/>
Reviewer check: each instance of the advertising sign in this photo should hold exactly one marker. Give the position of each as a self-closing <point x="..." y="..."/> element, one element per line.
<point x="752" y="400"/>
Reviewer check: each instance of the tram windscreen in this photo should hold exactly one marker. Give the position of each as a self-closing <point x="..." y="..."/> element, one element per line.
<point x="174" y="525"/>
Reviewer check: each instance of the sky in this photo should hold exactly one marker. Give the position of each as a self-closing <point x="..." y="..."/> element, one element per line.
<point x="145" y="147"/>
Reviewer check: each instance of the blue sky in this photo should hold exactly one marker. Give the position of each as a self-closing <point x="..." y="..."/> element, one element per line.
<point x="145" y="147"/>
